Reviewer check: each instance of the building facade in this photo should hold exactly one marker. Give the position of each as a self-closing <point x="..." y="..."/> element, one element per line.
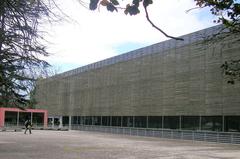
<point x="16" y="117"/>
<point x="168" y="85"/>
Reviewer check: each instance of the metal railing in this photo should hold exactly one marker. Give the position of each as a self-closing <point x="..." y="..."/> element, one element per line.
<point x="208" y="136"/>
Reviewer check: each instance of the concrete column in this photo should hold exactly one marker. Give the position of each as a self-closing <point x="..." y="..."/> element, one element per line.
<point x="45" y="120"/>
<point x="70" y="122"/>
<point x="60" y="121"/>
<point x="52" y="122"/>
<point x="2" y="117"/>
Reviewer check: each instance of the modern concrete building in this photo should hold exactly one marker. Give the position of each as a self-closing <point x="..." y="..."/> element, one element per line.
<point x="170" y="85"/>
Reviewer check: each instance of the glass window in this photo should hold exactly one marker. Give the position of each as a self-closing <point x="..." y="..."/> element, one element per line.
<point x="155" y="121"/>
<point x="88" y="120"/>
<point x="127" y="121"/>
<point x="10" y="118"/>
<point x="96" y="120"/>
<point x="37" y="119"/>
<point x="50" y="121"/>
<point x="116" y="120"/>
<point x="56" y="121"/>
<point x="106" y="121"/>
<point x="65" y="120"/>
<point x="190" y="122"/>
<point x="232" y="123"/>
<point x="140" y="121"/>
<point x="74" y="120"/>
<point x="211" y="123"/>
<point x="81" y="120"/>
<point x="171" y="122"/>
<point x="23" y="116"/>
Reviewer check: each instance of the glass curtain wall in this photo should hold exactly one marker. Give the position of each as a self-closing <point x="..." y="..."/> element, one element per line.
<point x="38" y="119"/>
<point x="97" y="120"/>
<point x="155" y="122"/>
<point x="190" y="122"/>
<point x="23" y="116"/>
<point x="117" y="121"/>
<point x="232" y="123"/>
<point x="127" y="121"/>
<point x="11" y="118"/>
<point x="65" y="120"/>
<point x="171" y="122"/>
<point x="204" y="123"/>
<point x="211" y="123"/>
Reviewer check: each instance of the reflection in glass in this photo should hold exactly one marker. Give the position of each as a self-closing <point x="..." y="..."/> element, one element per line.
<point x="211" y="123"/>
<point x="190" y="122"/>
<point x="116" y="121"/>
<point x="155" y="121"/>
<point x="171" y="122"/>
<point x="232" y="123"/>
<point x="140" y="121"/>
<point x="127" y="121"/>
<point x="10" y="118"/>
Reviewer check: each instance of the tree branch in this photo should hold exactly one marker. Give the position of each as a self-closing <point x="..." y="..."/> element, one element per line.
<point x="147" y="16"/>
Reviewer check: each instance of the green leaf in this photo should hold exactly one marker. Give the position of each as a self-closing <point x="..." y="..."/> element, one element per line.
<point x="93" y="4"/>
<point x="136" y="2"/>
<point x="147" y="2"/>
<point x="114" y="2"/>
<point x="111" y="7"/>
<point x="132" y="10"/>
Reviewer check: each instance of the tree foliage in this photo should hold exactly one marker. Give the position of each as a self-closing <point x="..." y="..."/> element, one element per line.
<point x="20" y="47"/>
<point x="231" y="70"/>
<point x="129" y="9"/>
<point x="227" y="11"/>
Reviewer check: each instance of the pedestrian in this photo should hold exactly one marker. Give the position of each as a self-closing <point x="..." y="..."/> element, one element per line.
<point x="28" y="126"/>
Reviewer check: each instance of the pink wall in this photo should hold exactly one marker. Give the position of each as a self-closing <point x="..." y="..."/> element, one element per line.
<point x="3" y="110"/>
<point x="2" y="117"/>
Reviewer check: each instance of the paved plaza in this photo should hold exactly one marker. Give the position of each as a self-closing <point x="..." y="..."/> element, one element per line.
<point x="92" y="145"/>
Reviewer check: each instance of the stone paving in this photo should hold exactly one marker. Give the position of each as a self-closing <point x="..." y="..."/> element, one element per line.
<point x="43" y="144"/>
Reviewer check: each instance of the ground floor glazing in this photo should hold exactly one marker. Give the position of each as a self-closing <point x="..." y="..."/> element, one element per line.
<point x="205" y="123"/>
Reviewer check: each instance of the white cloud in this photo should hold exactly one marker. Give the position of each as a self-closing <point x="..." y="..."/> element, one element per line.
<point x="95" y="34"/>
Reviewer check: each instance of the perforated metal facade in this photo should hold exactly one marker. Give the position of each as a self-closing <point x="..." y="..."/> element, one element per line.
<point x="171" y="78"/>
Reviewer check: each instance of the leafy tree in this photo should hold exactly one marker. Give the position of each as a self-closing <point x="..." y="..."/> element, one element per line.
<point x="227" y="12"/>
<point x="20" y="47"/>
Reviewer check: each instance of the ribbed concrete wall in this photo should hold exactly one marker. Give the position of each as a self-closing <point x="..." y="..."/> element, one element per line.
<point x="168" y="78"/>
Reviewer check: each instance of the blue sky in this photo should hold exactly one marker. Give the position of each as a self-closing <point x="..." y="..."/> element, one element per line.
<point x="94" y="36"/>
